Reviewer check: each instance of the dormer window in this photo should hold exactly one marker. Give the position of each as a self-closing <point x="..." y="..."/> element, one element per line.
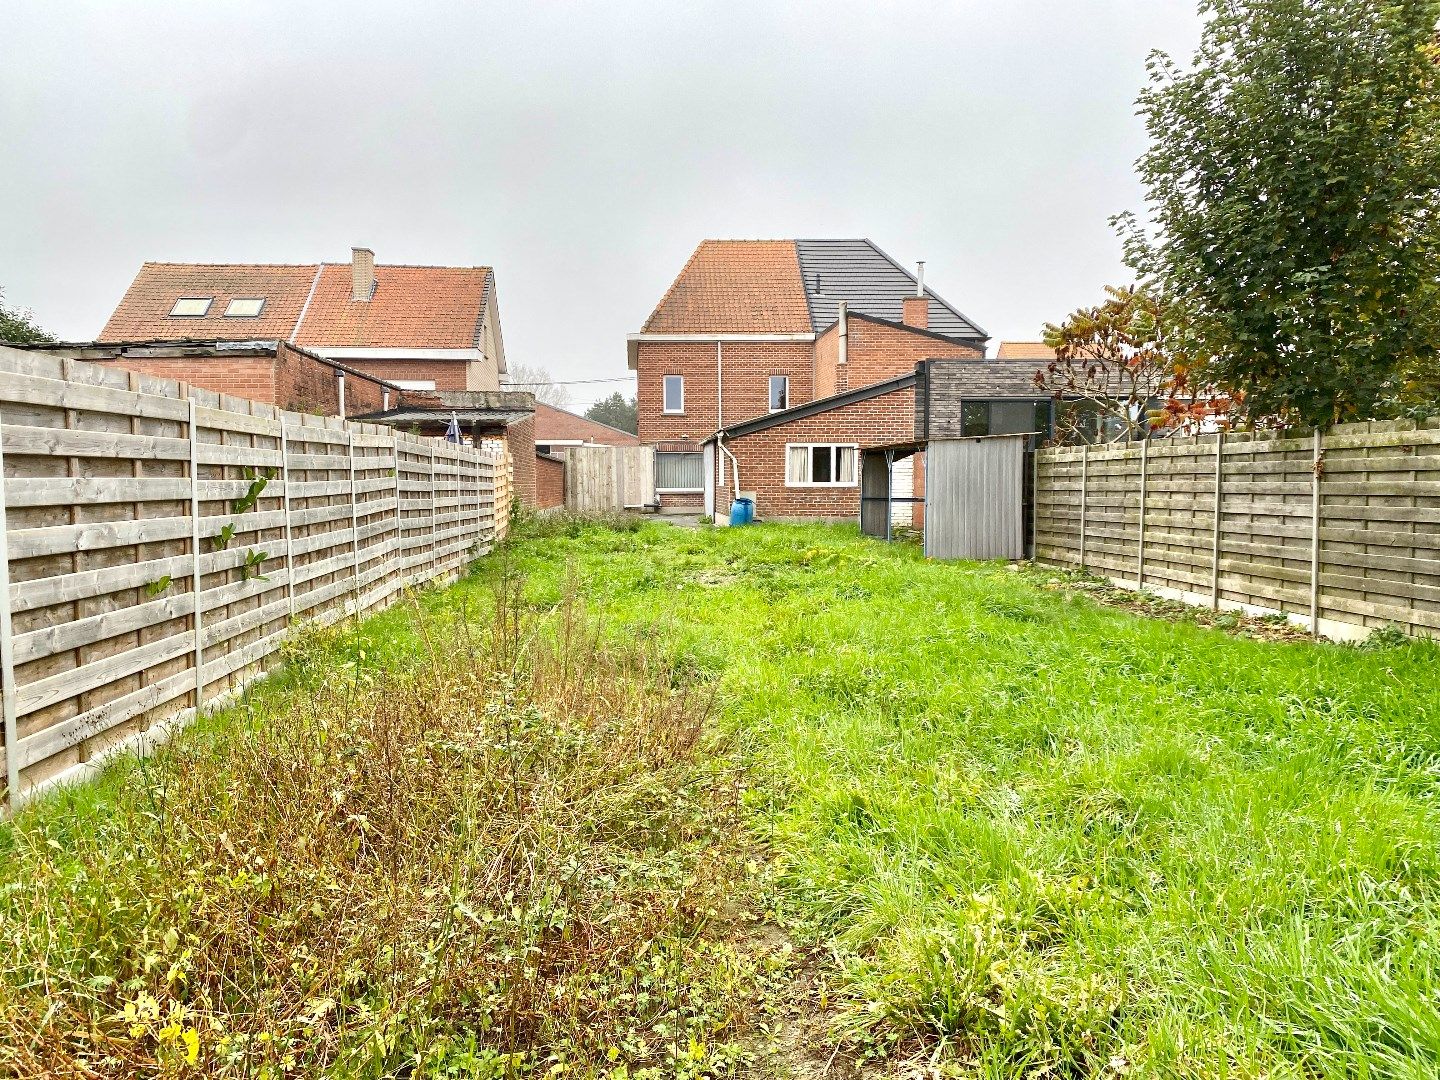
<point x="245" y="307"/>
<point x="191" y="307"/>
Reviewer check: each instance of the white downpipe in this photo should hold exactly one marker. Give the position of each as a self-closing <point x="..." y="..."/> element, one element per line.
<point x="844" y="346"/>
<point x="734" y="465"/>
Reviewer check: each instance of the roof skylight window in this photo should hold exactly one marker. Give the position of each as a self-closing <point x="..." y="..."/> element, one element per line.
<point x="191" y="307"/>
<point x="244" y="307"/>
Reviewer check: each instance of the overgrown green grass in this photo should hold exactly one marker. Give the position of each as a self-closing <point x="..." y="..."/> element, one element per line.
<point x="1024" y="834"/>
<point x="458" y="842"/>
<point x="1042" y="835"/>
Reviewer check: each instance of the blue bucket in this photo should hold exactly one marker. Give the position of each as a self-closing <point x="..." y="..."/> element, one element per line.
<point x="742" y="512"/>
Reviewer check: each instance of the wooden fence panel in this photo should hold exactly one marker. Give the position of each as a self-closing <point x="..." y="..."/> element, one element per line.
<point x="158" y="540"/>
<point x="1339" y="530"/>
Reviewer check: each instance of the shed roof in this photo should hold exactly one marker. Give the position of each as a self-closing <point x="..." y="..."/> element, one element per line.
<point x="818" y="406"/>
<point x="560" y="425"/>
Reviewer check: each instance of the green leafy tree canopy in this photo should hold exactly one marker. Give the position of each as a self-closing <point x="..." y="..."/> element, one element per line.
<point x="19" y="326"/>
<point x="616" y="410"/>
<point x="1294" y="209"/>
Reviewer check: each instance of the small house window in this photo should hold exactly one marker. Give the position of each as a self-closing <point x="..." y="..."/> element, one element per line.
<point x="974" y="418"/>
<point x="191" y="307"/>
<point x="779" y="393"/>
<point x="820" y="465"/>
<point x="680" y="472"/>
<point x="674" y="394"/>
<point x="244" y="307"/>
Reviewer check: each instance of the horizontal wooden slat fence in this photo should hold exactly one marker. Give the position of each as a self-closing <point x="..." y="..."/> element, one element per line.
<point x="1340" y="530"/>
<point x="159" y="539"/>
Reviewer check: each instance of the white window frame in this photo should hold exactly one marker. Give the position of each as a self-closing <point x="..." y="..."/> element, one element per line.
<point x="664" y="381"/>
<point x="419" y="385"/>
<point x="680" y="490"/>
<point x="810" y="465"/>
<point x="770" y="392"/>
<point x="229" y="314"/>
<point x="206" y="300"/>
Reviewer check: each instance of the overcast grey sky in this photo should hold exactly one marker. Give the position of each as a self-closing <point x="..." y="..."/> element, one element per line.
<point x="581" y="149"/>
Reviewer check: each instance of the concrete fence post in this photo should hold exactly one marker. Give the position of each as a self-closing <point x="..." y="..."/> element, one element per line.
<point x="195" y="549"/>
<point x="1144" y="476"/>
<point x="1215" y="528"/>
<point x="354" y="518"/>
<point x="7" y="653"/>
<point x="399" y="512"/>
<point x="434" y="518"/>
<point x="1084" y="498"/>
<point x="285" y="510"/>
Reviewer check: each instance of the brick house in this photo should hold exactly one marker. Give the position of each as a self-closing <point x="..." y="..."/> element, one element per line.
<point x="428" y="336"/>
<point x="420" y="327"/>
<point x="785" y="332"/>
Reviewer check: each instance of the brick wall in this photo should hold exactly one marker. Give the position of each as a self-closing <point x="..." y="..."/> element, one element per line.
<point x="520" y="437"/>
<point x="304" y="385"/>
<point x="879" y="351"/>
<point x="446" y="374"/>
<point x="549" y="482"/>
<point x="827" y="360"/>
<point x="746" y="375"/>
<point x="252" y="377"/>
<point x="889" y="418"/>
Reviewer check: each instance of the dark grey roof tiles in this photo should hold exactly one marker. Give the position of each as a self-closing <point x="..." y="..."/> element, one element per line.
<point x="871" y="282"/>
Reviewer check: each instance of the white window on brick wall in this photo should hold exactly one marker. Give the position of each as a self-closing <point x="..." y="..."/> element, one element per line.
<point x="820" y="464"/>
<point x="779" y="393"/>
<point x="674" y="394"/>
<point x="414" y="384"/>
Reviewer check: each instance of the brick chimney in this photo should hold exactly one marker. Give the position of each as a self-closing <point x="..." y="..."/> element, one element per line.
<point x="917" y="312"/>
<point x="362" y="273"/>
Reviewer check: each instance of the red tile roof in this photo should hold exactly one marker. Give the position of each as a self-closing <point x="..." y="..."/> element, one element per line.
<point x="557" y="425"/>
<point x="144" y="311"/>
<point x="418" y="307"/>
<point x="431" y="307"/>
<point x="736" y="286"/>
<point x="1024" y="350"/>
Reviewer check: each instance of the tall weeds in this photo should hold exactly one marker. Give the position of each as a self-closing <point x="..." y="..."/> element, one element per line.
<point x="504" y="858"/>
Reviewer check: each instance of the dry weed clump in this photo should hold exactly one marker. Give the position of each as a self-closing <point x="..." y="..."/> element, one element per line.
<point x="504" y="859"/>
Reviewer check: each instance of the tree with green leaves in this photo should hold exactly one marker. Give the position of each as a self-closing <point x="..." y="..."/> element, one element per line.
<point x="616" y="410"/>
<point x="19" y="326"/>
<point x="1293" y="182"/>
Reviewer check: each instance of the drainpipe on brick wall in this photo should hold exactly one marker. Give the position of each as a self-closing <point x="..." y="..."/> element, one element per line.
<point x="734" y="465"/>
<point x="340" y="391"/>
<point x="842" y="349"/>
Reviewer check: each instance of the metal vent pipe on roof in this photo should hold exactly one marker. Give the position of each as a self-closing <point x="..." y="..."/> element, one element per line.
<point x="920" y="278"/>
